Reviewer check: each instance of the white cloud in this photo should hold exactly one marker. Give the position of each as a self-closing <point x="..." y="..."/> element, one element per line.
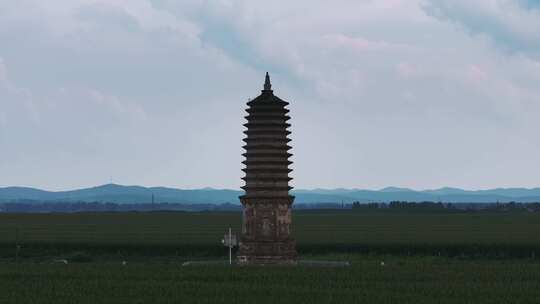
<point x="15" y="100"/>
<point x="3" y="71"/>
<point x="508" y="23"/>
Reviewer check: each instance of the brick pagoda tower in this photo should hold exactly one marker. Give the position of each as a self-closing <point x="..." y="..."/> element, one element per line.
<point x="266" y="228"/>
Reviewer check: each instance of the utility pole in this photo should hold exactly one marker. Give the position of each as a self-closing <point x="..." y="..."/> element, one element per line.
<point x="230" y="246"/>
<point x="17" y="246"/>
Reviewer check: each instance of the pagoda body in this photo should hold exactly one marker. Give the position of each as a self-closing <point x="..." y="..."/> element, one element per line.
<point x="266" y="228"/>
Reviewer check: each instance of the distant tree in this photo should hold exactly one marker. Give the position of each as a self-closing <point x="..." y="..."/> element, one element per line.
<point x="358" y="205"/>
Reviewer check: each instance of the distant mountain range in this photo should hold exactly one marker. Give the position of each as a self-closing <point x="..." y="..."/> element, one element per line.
<point x="136" y="194"/>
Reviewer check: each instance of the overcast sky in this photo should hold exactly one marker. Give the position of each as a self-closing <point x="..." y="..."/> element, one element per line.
<point x="410" y="93"/>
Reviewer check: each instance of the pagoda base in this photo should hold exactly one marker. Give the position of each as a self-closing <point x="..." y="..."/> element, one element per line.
<point x="267" y="253"/>
<point x="265" y="260"/>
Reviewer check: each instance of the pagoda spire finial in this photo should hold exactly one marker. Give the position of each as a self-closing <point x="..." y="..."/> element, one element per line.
<point x="267" y="84"/>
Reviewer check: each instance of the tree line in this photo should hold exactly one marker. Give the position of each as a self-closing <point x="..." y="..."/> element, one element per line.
<point x="428" y="205"/>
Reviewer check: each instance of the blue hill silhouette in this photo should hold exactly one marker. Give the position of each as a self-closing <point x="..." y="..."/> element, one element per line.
<point x="137" y="194"/>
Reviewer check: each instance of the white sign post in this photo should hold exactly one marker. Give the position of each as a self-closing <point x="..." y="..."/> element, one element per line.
<point x="229" y="240"/>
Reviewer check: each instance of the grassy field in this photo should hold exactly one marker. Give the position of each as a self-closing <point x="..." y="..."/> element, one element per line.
<point x="317" y="232"/>
<point x="400" y="280"/>
<point x="428" y="258"/>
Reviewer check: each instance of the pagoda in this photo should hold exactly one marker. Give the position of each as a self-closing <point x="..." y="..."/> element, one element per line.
<point x="266" y="227"/>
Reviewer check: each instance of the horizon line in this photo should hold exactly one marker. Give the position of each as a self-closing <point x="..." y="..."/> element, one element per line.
<point x="294" y="190"/>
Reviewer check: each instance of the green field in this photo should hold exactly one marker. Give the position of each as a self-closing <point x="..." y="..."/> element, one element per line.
<point x="401" y="280"/>
<point x="317" y="232"/>
<point x="429" y="257"/>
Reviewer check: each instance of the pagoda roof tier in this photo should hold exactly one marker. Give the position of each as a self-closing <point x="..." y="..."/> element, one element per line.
<point x="266" y="189"/>
<point x="279" y="125"/>
<point x="275" y="121"/>
<point x="267" y="98"/>
<point x="266" y="132"/>
<point x="266" y="144"/>
<point x="268" y="181"/>
<point x="268" y="140"/>
<point x="276" y="138"/>
<point x="268" y="110"/>
<point x="277" y="172"/>
<point x="279" y="153"/>
<point x="269" y="177"/>
<point x="267" y="129"/>
<point x="261" y="189"/>
<point x="267" y="161"/>
<point x="268" y="137"/>
<point x="275" y="152"/>
<point x="272" y="114"/>
<point x="268" y="168"/>
<point x="261" y="117"/>
<point x="265" y="194"/>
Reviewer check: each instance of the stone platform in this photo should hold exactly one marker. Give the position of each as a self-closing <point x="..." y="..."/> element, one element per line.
<point x="302" y="263"/>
